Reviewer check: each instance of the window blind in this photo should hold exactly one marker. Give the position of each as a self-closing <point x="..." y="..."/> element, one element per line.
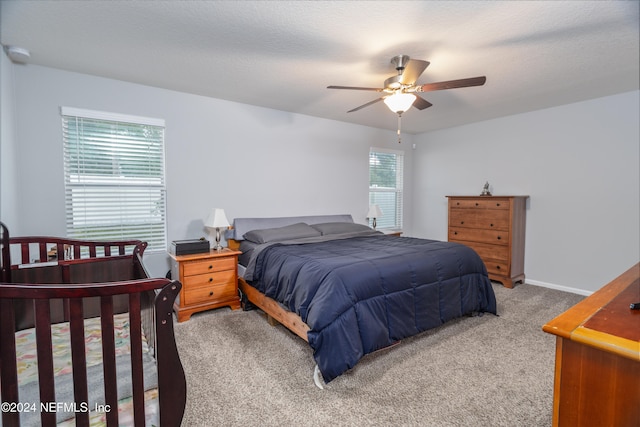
<point x="385" y="185"/>
<point x="114" y="177"/>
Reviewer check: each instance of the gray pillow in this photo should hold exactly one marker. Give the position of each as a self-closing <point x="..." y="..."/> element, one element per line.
<point x="340" y="227"/>
<point x="289" y="232"/>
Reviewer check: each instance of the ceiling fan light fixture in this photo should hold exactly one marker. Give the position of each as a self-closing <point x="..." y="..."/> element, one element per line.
<point x="400" y="102"/>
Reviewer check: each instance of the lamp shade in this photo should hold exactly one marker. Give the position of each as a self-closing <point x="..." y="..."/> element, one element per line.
<point x="374" y="212"/>
<point x="216" y="219"/>
<point x="400" y="102"/>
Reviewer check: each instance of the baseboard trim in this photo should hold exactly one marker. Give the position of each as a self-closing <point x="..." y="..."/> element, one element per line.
<point x="558" y="287"/>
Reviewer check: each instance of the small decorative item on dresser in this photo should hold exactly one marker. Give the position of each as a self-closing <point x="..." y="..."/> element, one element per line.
<point x="485" y="189"/>
<point x="209" y="280"/>
<point x="493" y="226"/>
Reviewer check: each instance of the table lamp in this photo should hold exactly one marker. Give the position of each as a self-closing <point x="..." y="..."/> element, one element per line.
<point x="374" y="212"/>
<point x="217" y="219"/>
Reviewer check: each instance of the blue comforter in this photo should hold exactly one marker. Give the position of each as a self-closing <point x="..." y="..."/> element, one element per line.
<point x="361" y="294"/>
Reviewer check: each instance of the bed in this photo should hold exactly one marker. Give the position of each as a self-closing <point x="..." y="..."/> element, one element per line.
<point x="349" y="290"/>
<point x="86" y="336"/>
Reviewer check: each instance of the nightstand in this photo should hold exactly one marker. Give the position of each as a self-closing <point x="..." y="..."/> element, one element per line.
<point x="392" y="232"/>
<point x="209" y="280"/>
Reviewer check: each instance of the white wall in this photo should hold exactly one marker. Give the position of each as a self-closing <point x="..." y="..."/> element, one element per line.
<point x="8" y="170"/>
<point x="251" y="161"/>
<point x="579" y="164"/>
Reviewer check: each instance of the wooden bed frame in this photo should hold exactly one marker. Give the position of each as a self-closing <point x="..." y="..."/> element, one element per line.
<point x="274" y="311"/>
<point x="60" y="280"/>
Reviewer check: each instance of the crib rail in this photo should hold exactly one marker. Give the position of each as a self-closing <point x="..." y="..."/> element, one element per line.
<point x="53" y="260"/>
<point x="161" y="292"/>
<point x="42" y="249"/>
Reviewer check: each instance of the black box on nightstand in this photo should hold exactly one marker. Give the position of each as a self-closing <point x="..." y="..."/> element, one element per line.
<point x="187" y="247"/>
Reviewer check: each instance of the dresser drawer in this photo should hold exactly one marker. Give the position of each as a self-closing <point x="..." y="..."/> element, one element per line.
<point x="487" y="251"/>
<point x="489" y="203"/>
<point x="496" y="237"/>
<point x="480" y="218"/>
<point x="204" y="266"/>
<point x="210" y="293"/>
<point x="497" y="267"/>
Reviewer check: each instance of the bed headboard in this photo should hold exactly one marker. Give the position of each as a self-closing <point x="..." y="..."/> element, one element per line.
<point x="242" y="225"/>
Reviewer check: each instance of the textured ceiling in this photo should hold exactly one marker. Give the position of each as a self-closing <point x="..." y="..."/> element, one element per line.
<point x="283" y="54"/>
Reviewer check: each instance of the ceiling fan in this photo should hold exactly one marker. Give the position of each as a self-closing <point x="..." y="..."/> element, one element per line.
<point x="400" y="90"/>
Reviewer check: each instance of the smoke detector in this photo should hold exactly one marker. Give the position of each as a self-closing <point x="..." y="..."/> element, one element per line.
<point x="18" y="55"/>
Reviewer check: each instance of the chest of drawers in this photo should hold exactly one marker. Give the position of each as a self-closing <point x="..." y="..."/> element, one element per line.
<point x="209" y="280"/>
<point x="494" y="226"/>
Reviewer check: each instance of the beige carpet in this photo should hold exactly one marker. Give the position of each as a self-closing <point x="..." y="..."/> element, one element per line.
<point x="482" y="371"/>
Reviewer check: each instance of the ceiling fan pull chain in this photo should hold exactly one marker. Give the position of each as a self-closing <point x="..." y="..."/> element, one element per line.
<point x="399" y="127"/>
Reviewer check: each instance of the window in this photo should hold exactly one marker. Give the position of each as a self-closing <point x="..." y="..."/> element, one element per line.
<point x="385" y="185"/>
<point x="114" y="177"/>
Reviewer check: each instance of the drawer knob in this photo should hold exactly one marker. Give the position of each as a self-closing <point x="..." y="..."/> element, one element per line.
<point x="210" y="267"/>
<point x="455" y="233"/>
<point x="499" y="237"/>
<point x="477" y="203"/>
<point x="211" y="293"/>
<point x="491" y="225"/>
<point x="210" y="279"/>
<point x="497" y="204"/>
<point x="461" y="222"/>
<point x="497" y="267"/>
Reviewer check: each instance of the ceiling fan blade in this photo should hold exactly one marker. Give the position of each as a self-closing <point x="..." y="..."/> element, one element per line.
<point x="365" y="105"/>
<point x="421" y="103"/>
<point x="413" y="71"/>
<point x="452" y="84"/>
<point x="355" y="88"/>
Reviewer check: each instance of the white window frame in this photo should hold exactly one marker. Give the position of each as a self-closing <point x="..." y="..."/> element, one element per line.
<point x="382" y="222"/>
<point x="103" y="203"/>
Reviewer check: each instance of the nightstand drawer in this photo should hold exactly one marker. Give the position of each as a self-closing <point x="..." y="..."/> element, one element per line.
<point x="209" y="265"/>
<point x="212" y="293"/>
<point x="217" y="278"/>
<point x="479" y="203"/>
<point x="496" y="237"/>
<point x="480" y="218"/>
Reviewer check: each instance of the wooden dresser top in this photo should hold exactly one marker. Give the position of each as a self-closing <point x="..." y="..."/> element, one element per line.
<point x="604" y="319"/>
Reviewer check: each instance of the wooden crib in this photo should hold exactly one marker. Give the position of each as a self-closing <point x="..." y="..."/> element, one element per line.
<point x="56" y="284"/>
